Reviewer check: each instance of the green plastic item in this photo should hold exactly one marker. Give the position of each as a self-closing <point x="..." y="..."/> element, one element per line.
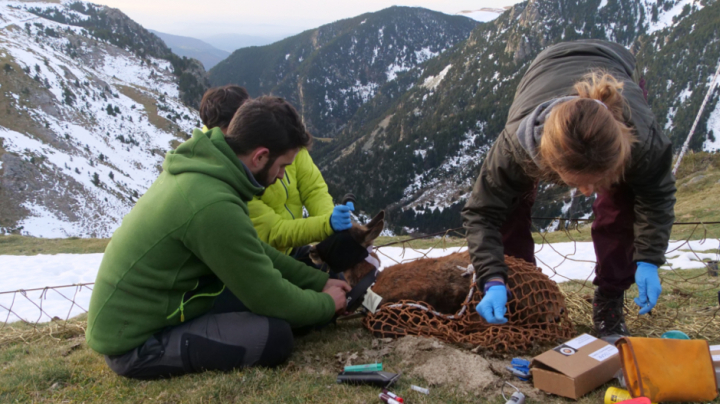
<point x="371" y="367"/>
<point x="675" y="334"/>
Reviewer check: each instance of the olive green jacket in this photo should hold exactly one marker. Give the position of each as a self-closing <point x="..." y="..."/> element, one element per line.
<point x="506" y="173"/>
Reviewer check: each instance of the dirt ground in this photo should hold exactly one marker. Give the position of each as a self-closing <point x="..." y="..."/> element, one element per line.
<point x="443" y="365"/>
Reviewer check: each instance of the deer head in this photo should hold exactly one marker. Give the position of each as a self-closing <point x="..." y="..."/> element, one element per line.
<point x="362" y="236"/>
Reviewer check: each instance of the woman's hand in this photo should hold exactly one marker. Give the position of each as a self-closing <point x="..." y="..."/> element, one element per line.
<point x="649" y="287"/>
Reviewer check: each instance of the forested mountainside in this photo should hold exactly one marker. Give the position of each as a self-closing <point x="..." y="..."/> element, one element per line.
<point x="412" y="100"/>
<point x="417" y="152"/>
<point x="330" y="72"/>
<point x="89" y="105"/>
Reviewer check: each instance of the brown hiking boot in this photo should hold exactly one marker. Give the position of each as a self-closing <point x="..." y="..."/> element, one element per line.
<point x="608" y="317"/>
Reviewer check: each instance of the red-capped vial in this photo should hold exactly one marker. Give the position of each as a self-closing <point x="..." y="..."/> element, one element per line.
<point x="387" y="399"/>
<point x="394" y="396"/>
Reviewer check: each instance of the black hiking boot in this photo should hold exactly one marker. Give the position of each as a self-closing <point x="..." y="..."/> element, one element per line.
<point x="608" y="317"/>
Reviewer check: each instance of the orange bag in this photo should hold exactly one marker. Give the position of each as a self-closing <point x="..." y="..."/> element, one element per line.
<point x="668" y="369"/>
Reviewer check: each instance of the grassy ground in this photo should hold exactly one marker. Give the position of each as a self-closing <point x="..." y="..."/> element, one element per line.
<point x="64" y="369"/>
<point x="21" y="245"/>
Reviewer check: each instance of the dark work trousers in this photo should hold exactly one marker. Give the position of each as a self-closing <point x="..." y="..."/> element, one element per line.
<point x="213" y="341"/>
<point x="612" y="233"/>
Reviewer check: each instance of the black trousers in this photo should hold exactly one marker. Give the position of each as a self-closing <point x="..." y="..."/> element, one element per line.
<point x="214" y="341"/>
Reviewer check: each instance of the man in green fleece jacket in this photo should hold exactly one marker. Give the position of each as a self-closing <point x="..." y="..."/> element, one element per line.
<point x="189" y="237"/>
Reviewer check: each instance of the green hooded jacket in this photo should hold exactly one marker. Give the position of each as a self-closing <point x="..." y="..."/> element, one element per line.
<point x="186" y="237"/>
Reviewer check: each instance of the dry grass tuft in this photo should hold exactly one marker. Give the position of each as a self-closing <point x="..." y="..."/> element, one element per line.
<point x="54" y="331"/>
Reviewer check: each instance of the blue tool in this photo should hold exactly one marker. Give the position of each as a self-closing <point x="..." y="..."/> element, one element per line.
<point x="520" y="368"/>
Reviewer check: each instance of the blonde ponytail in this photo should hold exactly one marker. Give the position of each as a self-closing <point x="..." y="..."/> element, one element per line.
<point x="588" y="134"/>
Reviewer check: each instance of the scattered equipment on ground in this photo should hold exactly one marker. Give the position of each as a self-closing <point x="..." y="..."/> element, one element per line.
<point x="674" y="334"/>
<point x="520" y="368"/>
<point x="386" y="398"/>
<point x="419" y="389"/>
<point x="684" y="369"/>
<point x="516" y="398"/>
<point x="383" y="379"/>
<point x="393" y="396"/>
<point x="370" y="367"/>
<point x="576" y="367"/>
<point x="615" y="395"/>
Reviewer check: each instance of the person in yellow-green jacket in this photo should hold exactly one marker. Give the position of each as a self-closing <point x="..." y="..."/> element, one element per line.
<point x="277" y="214"/>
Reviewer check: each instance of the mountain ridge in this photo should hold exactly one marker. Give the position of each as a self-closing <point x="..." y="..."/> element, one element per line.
<point x="418" y="163"/>
<point x="193" y="48"/>
<point x="330" y="71"/>
<point x="88" y="112"/>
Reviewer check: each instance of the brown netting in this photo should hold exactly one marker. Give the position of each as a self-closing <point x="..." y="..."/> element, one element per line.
<point x="536" y="313"/>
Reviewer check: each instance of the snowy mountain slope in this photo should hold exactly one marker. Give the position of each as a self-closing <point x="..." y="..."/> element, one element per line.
<point x="419" y="163"/>
<point x="331" y="71"/>
<point x="679" y="63"/>
<point x="84" y="125"/>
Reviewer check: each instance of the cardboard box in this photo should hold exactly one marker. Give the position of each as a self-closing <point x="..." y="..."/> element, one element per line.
<point x="576" y="367"/>
<point x="715" y="352"/>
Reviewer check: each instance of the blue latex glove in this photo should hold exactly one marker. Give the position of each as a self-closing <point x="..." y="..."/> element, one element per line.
<point x="649" y="287"/>
<point x="340" y="218"/>
<point x="492" y="305"/>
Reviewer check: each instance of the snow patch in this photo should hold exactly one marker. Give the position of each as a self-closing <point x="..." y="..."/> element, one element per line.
<point x="437" y="187"/>
<point x="685" y="93"/>
<point x="713" y="125"/>
<point x="425" y="54"/>
<point x="38" y="271"/>
<point x="364" y="91"/>
<point x="665" y="18"/>
<point x="432" y="82"/>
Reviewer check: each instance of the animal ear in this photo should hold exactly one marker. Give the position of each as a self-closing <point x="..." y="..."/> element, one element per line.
<point x="315" y="256"/>
<point x="375" y="227"/>
<point x="380" y="216"/>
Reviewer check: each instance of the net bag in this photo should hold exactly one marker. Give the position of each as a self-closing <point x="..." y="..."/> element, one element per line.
<point x="536" y="315"/>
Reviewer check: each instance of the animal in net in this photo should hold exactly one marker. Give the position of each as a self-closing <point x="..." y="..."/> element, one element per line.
<point x="430" y="297"/>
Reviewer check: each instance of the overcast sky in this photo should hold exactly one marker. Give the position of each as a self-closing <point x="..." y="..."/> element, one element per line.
<point x="266" y="17"/>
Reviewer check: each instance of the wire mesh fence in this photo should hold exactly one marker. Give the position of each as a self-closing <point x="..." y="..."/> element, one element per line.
<point x="689" y="302"/>
<point x="51" y="311"/>
<point x="691" y="287"/>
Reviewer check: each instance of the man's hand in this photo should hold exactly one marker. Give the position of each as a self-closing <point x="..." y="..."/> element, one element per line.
<point x="338" y="295"/>
<point x="336" y="283"/>
<point x="649" y="287"/>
